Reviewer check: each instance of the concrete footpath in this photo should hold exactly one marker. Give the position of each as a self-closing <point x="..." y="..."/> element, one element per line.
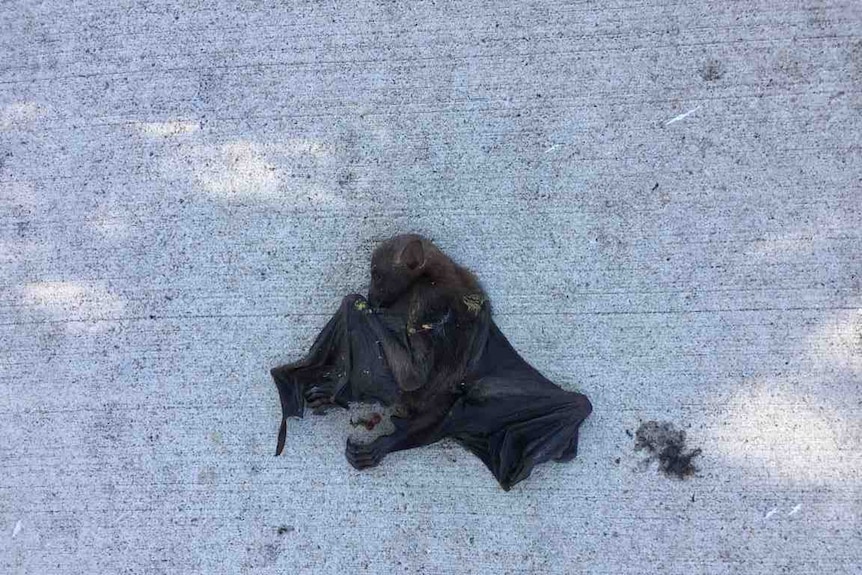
<point x="662" y="199"/>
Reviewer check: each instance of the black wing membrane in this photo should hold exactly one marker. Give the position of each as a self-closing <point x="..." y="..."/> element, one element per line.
<point x="512" y="417"/>
<point x="505" y="412"/>
<point x="345" y="364"/>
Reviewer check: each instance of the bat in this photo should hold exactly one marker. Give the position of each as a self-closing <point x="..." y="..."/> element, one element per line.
<point x="424" y="342"/>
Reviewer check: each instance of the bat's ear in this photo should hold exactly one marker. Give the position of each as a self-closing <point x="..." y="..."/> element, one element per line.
<point x="413" y="255"/>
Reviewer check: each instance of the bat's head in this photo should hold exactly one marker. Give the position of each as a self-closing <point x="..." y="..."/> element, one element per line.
<point x="395" y="265"/>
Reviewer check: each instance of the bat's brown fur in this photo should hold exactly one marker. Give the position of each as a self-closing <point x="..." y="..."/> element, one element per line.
<point x="443" y="302"/>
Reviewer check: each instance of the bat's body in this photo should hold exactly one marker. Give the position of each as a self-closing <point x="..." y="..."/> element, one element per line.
<point x="425" y="342"/>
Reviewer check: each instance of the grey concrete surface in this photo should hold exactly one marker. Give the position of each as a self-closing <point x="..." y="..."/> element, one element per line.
<point x="662" y="199"/>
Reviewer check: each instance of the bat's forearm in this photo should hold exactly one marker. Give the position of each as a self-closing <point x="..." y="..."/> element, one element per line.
<point x="410" y="367"/>
<point x="410" y="364"/>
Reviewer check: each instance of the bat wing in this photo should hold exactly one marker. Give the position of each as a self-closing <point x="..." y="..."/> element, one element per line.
<point x="512" y="417"/>
<point x="345" y="364"/>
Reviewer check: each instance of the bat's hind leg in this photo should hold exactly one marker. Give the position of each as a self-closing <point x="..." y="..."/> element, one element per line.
<point x="410" y="431"/>
<point x="362" y="455"/>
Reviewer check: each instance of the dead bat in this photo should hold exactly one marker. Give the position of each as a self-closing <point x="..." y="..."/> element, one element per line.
<point x="424" y="341"/>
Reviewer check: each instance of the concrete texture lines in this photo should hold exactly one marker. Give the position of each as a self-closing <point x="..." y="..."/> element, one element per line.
<point x="662" y="200"/>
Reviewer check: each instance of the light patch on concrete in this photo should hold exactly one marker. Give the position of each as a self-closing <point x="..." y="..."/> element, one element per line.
<point x="767" y="426"/>
<point x="168" y="129"/>
<point x="74" y="302"/>
<point x="17" y="193"/>
<point x="243" y="169"/>
<point x="111" y="223"/>
<point x="13" y="251"/>
<point x="837" y="343"/>
<point x="19" y="115"/>
<point x="775" y="247"/>
<point x="300" y="146"/>
<point x="240" y="168"/>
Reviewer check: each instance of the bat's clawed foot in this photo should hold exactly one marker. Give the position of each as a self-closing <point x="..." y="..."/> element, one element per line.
<point x="362" y="455"/>
<point x="318" y="395"/>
